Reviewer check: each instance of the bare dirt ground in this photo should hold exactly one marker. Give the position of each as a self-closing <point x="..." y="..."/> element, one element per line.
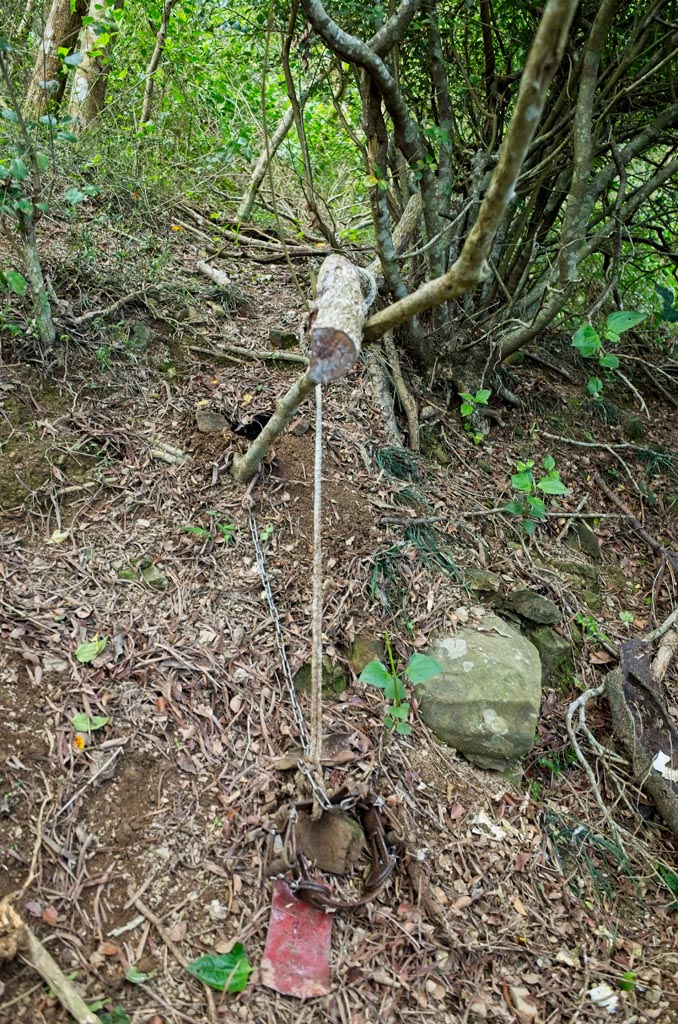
<point x="144" y="844"/>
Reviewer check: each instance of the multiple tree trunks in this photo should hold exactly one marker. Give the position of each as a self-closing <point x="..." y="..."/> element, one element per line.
<point x="337" y="320"/>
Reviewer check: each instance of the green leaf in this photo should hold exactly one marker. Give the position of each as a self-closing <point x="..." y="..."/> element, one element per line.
<point x="466" y="409"/>
<point x="482" y="396"/>
<point x="197" y="531"/>
<point x="627" y="982"/>
<point x="83" y="723"/>
<point x="609" y="361"/>
<point x="137" y="977"/>
<point x="227" y="972"/>
<point x="117" y="1016"/>
<point x="74" y="60"/>
<point x="523" y="481"/>
<point x="586" y="341"/>
<point x="48" y="119"/>
<point x="627" y="617"/>
<point x="549" y="463"/>
<point x="421" y="667"/>
<point x="404" y="728"/>
<point x="515" y="507"/>
<point x="401" y="711"/>
<point x="74" y="195"/>
<point x="16" y="282"/>
<point x="466" y="395"/>
<point x="375" y="674"/>
<point x="594" y="386"/>
<point x="536" y="507"/>
<point x="394" y="689"/>
<point x="18" y="169"/>
<point x="624" y="321"/>
<point x="529" y="527"/>
<point x="42" y="161"/>
<point x="387" y="722"/>
<point x="9" y="115"/>
<point x="552" y="485"/>
<point x="91" y="649"/>
<point x="66" y="136"/>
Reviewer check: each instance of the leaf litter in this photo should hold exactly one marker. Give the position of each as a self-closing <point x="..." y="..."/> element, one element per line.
<point x="141" y="869"/>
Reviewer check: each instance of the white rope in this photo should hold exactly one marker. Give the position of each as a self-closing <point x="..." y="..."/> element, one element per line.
<point x="315" y="750"/>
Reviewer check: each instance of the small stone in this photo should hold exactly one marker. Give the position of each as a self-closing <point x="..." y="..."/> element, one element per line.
<point x="582" y="537"/>
<point x="364" y="649"/>
<point x="333" y="843"/>
<point x="282" y="339"/>
<point x="528" y="604"/>
<point x="481" y="581"/>
<point x="554" y="653"/>
<point x="209" y="422"/>
<point x="334" y="679"/>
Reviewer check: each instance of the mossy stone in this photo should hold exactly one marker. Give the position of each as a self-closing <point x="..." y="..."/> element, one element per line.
<point x="364" y="649"/>
<point x="555" y="655"/>
<point x="334" y="678"/>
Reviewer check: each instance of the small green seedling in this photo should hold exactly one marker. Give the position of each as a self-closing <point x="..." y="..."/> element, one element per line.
<point x="627" y="982"/>
<point x="590" y="345"/>
<point x="91" y="649"/>
<point x="227" y="530"/>
<point x="88" y="723"/>
<point x="530" y="506"/>
<point x="469" y="406"/>
<point x="419" y="669"/>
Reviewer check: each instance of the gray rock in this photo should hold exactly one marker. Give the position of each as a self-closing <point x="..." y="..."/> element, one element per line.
<point x="210" y="422"/>
<point x="581" y="536"/>
<point x="482" y="581"/>
<point x="555" y="655"/>
<point x="530" y="605"/>
<point x="486" y="701"/>
<point x="334" y="679"/>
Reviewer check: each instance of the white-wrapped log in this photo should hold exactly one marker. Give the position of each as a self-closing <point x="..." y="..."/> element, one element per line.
<point x="336" y="325"/>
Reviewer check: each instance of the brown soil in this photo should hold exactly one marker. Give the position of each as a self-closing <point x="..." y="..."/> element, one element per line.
<point x="509" y="901"/>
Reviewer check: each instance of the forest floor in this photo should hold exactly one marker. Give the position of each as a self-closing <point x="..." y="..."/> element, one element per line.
<point x="136" y="848"/>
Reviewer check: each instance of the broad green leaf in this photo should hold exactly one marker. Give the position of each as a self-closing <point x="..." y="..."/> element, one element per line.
<point x="624" y="321"/>
<point x="376" y="674"/>
<point x="586" y="341"/>
<point x="400" y="711"/>
<point x="537" y="507"/>
<point x="4" y="45"/>
<point x="523" y="481"/>
<point x="482" y="396"/>
<point x="74" y="195"/>
<point x="394" y="689"/>
<point x="91" y="649"/>
<point x="66" y="136"/>
<point x="552" y="485"/>
<point x="9" y="115"/>
<point x="466" y="409"/>
<point x="18" y="169"/>
<point x="627" y="982"/>
<point x="388" y="722"/>
<point x="83" y="723"/>
<point x="529" y="527"/>
<point x="74" y="60"/>
<point x="609" y="361"/>
<point x="16" y="282"/>
<point x="594" y="386"/>
<point x="116" y="1016"/>
<point x="42" y="161"/>
<point x="404" y="728"/>
<point x="421" y="667"/>
<point x="466" y="396"/>
<point x="137" y="977"/>
<point x="48" y="119"/>
<point x="226" y="972"/>
<point x="515" y="507"/>
<point x="549" y="463"/>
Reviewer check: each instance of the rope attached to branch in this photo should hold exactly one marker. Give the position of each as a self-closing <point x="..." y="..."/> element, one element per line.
<point x="316" y="725"/>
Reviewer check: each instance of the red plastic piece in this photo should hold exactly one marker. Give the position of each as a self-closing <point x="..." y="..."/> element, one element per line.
<point x="297" y="955"/>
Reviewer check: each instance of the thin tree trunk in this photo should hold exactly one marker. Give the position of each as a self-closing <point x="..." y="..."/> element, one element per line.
<point x="88" y="93"/>
<point x="41" y="306"/>
<point x="61" y="32"/>
<point x="155" y="60"/>
<point x="261" y="166"/>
